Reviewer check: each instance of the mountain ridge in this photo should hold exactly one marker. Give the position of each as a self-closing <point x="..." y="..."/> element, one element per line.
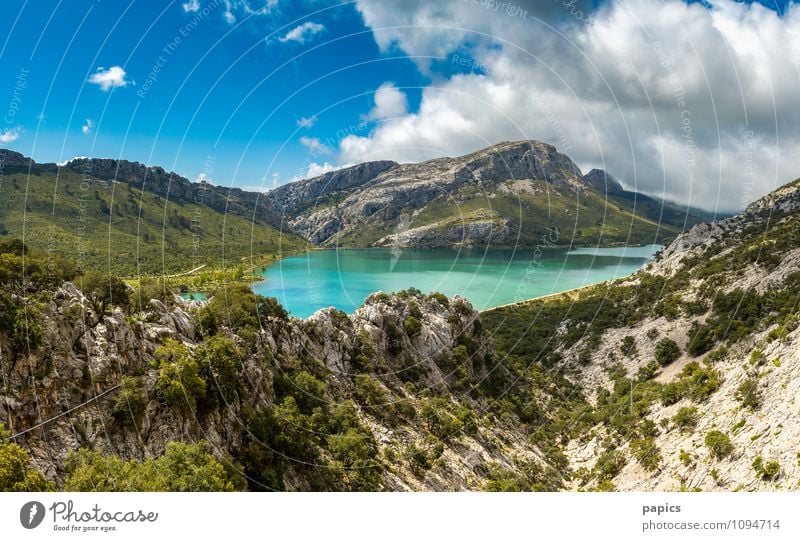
<point x="506" y="194"/>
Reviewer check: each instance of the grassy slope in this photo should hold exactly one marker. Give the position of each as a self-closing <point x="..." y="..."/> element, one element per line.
<point x="591" y="219"/>
<point x="127" y="232"/>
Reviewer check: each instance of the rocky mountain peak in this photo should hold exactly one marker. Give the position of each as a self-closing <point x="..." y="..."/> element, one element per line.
<point x="287" y="199"/>
<point x="517" y="160"/>
<point x="602" y="181"/>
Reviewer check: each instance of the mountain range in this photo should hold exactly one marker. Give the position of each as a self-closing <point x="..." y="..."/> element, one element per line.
<point x="682" y="376"/>
<point x="130" y="218"/>
<point x="509" y="194"/>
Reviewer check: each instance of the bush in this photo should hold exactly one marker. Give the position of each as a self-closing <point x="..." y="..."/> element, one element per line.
<point x="105" y="290"/>
<point x="16" y="473"/>
<point x="412" y="326"/>
<point x="749" y="393"/>
<point x="220" y="361"/>
<point x="719" y="444"/>
<point x="131" y="401"/>
<point x="182" y="468"/>
<point x="666" y="351"/>
<point x="647" y="371"/>
<point x="179" y="381"/>
<point x="438" y="418"/>
<point x="609" y="464"/>
<point x="628" y="346"/>
<point x="686" y="418"/>
<point x="310" y="391"/>
<point x="646" y="453"/>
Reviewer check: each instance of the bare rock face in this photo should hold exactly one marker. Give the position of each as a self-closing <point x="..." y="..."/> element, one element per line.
<point x="398" y="190"/>
<point x="602" y="181"/>
<point x="290" y="198"/>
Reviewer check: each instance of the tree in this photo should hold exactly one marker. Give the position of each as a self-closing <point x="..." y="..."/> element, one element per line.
<point x="105" y="290"/>
<point x="220" y="361"/>
<point x="182" y="468"/>
<point x="131" y="401"/>
<point x="666" y="351"/>
<point x="16" y="473"/>
<point x="179" y="380"/>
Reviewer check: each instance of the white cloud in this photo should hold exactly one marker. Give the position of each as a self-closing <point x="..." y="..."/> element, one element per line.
<point x="9" y="135"/>
<point x="304" y="122"/>
<point x="109" y="78"/>
<point x="302" y="32"/>
<point x="674" y="98"/>
<point x="192" y="6"/>
<point x="87" y="127"/>
<point x="314" y="146"/>
<point x="62" y="164"/>
<point x="316" y="169"/>
<point x="203" y="177"/>
<point x="389" y="103"/>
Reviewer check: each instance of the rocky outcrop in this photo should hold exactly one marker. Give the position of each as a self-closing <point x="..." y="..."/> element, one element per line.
<point x="602" y="181"/>
<point x="289" y="199"/>
<point x="61" y="398"/>
<point x="406" y="189"/>
<point x="765" y="357"/>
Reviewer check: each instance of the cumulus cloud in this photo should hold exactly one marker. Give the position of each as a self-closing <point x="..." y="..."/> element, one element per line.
<point x="9" y="135"/>
<point x="302" y="32"/>
<point x="109" y="78"/>
<point x="314" y="146"/>
<point x="192" y="6"/>
<point x="87" y="127"/>
<point x="304" y="122"/>
<point x="685" y="100"/>
<point x="389" y="103"/>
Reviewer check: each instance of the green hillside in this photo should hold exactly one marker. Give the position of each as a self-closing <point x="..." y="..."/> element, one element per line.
<point x="115" y="226"/>
<point x="584" y="217"/>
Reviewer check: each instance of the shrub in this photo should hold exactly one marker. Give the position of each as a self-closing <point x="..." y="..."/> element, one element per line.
<point x="438" y="418"/>
<point x="182" y="468"/>
<point x="105" y="290"/>
<point x="772" y="469"/>
<point x="412" y="326"/>
<point x="666" y="351"/>
<point x="219" y="361"/>
<point x="369" y="391"/>
<point x="310" y="391"/>
<point x="131" y="401"/>
<point x="179" y="381"/>
<point x="749" y="393"/>
<point x="647" y="371"/>
<point x="16" y="473"/>
<point x="628" y="346"/>
<point x="646" y="453"/>
<point x="609" y="464"/>
<point x="719" y="444"/>
<point x="685" y="418"/>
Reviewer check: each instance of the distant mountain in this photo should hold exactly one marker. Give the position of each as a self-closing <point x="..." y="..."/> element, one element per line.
<point x="130" y="218"/>
<point x="510" y="194"/>
<point x="652" y="208"/>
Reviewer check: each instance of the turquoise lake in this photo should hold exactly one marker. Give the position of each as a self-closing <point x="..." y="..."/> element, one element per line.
<point x="487" y="277"/>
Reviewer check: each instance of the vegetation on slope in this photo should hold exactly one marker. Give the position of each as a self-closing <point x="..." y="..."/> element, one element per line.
<point x="127" y="231"/>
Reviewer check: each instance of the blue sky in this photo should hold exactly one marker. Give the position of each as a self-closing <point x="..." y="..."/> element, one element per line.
<point x="234" y="79"/>
<point x="234" y="92"/>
